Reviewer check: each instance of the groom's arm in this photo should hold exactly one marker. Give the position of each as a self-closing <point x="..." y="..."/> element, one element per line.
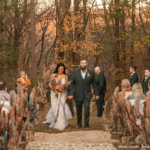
<point x="70" y="93"/>
<point x="95" y="86"/>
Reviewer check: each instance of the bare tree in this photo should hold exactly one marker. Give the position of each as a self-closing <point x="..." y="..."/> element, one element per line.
<point x="32" y="42"/>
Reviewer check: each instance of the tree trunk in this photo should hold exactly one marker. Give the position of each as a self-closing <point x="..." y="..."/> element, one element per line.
<point x="16" y="33"/>
<point x="60" y="25"/>
<point x="61" y="10"/>
<point x="117" y="43"/>
<point x="133" y="29"/>
<point x="123" y="43"/>
<point x="32" y="42"/>
<point x="84" y="17"/>
<point x="76" y="56"/>
<point x="1" y="33"/>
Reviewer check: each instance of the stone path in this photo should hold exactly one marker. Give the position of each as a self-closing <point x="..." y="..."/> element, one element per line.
<point x="80" y="140"/>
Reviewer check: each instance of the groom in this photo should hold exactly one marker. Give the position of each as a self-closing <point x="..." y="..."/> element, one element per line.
<point x="81" y="81"/>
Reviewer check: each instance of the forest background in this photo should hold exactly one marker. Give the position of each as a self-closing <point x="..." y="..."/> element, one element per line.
<point x="113" y="35"/>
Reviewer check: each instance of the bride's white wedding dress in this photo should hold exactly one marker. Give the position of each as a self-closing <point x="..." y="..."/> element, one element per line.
<point x="58" y="106"/>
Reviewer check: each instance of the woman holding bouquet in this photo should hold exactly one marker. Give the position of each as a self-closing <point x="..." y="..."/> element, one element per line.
<point x="59" y="112"/>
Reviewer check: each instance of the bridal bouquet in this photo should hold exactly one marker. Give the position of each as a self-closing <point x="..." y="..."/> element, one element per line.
<point x="58" y="86"/>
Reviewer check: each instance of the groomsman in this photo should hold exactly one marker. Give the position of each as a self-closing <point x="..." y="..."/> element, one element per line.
<point x="69" y="101"/>
<point x="101" y="85"/>
<point x="134" y="77"/>
<point x="148" y="86"/>
<point x="145" y="81"/>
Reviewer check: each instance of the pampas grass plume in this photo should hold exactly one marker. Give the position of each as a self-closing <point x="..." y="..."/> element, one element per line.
<point x="116" y="92"/>
<point x="137" y="104"/>
<point x="147" y="125"/>
<point x="148" y="104"/>
<point x="129" y="106"/>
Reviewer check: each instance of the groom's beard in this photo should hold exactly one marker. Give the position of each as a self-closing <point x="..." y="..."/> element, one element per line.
<point x="83" y="68"/>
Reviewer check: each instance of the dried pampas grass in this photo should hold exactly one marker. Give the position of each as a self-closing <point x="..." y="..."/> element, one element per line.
<point x="129" y="125"/>
<point x="115" y="118"/>
<point x="119" y="108"/>
<point x="122" y="97"/>
<point x="123" y="106"/>
<point x="108" y="107"/>
<point x="137" y="104"/>
<point x="11" y="131"/>
<point x="122" y="121"/>
<point x="129" y="106"/>
<point x="115" y="107"/>
<point x="13" y="97"/>
<point x="147" y="125"/>
<point x="11" y="143"/>
<point x="133" y="126"/>
<point x="116" y="93"/>
<point x="148" y="104"/>
<point x="20" y="95"/>
<point x="25" y="102"/>
<point x="4" y="122"/>
<point x="52" y="80"/>
<point x="66" y="85"/>
<point x="135" y="112"/>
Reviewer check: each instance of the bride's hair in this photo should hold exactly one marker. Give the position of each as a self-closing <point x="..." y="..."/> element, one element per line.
<point x="60" y="65"/>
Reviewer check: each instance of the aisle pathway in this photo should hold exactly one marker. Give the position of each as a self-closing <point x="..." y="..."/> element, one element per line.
<point x="80" y="140"/>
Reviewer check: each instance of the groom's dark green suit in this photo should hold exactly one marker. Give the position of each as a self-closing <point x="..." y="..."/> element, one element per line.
<point x="82" y="93"/>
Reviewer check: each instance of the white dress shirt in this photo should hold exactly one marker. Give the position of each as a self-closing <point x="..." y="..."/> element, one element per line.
<point x="98" y="73"/>
<point x="146" y="78"/>
<point x="132" y="73"/>
<point x="83" y="73"/>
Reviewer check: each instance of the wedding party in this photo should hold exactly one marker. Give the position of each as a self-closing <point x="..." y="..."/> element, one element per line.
<point x="74" y="75"/>
<point x="66" y="88"/>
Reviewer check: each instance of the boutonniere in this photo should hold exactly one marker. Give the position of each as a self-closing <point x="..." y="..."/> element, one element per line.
<point x="95" y="76"/>
<point x="88" y="74"/>
<point x="130" y="77"/>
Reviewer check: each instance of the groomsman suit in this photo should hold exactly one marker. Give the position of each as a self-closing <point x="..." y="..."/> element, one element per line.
<point x="145" y="84"/>
<point x="101" y="84"/>
<point x="81" y="81"/>
<point x="133" y="79"/>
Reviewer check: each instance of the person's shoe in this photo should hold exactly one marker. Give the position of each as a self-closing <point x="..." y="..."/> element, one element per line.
<point x="99" y="116"/>
<point x="87" y="128"/>
<point x="78" y="127"/>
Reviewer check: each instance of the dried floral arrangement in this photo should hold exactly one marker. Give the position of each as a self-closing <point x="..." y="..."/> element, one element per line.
<point x="19" y="119"/>
<point x="39" y="92"/>
<point x="58" y="86"/>
<point x="125" y="116"/>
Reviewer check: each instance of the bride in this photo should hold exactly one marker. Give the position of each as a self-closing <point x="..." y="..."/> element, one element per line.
<point x="59" y="112"/>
